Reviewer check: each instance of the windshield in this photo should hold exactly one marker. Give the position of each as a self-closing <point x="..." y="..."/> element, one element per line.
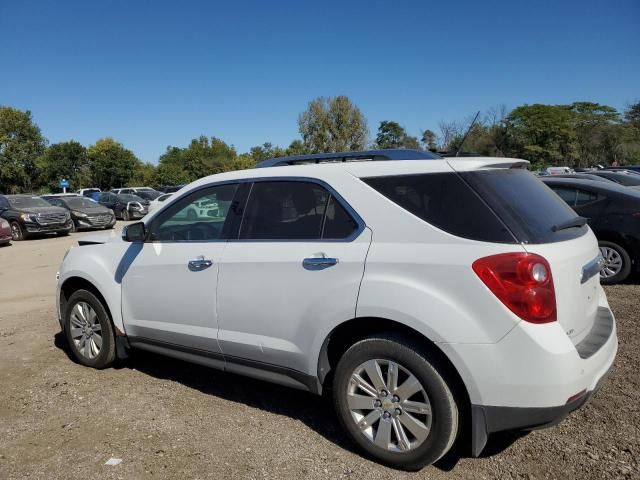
<point x="626" y="179"/>
<point x="80" y="202"/>
<point x="28" y="202"/>
<point x="125" y="197"/>
<point x="148" y="194"/>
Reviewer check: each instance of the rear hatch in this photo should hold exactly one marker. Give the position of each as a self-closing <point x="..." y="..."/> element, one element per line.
<point x="542" y="222"/>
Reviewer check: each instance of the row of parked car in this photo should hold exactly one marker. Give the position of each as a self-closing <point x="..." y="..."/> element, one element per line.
<point x="609" y="200"/>
<point x="22" y="216"/>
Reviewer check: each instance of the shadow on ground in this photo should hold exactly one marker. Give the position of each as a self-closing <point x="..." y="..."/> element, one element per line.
<point x="315" y="412"/>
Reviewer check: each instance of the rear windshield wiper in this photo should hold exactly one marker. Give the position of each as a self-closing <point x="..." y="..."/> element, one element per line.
<point x="573" y="223"/>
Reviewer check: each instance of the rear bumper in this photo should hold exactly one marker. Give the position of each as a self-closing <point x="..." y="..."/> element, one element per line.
<point x="489" y="419"/>
<point x="535" y="376"/>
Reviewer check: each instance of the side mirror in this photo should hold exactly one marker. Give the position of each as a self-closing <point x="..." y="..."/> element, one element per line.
<point x="136" y="232"/>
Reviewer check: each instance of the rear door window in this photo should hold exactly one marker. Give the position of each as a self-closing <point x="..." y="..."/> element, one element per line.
<point x="445" y="201"/>
<point x="294" y="210"/>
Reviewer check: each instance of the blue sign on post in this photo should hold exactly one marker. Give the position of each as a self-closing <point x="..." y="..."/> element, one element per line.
<point x="64" y="184"/>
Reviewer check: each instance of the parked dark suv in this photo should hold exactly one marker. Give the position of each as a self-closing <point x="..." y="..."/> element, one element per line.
<point x="29" y="215"/>
<point x="85" y="213"/>
<point x="613" y="213"/>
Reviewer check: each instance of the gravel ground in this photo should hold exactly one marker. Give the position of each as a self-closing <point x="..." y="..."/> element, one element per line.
<point x="168" y="419"/>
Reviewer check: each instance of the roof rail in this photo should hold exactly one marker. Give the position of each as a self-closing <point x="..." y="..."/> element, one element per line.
<point x="370" y="155"/>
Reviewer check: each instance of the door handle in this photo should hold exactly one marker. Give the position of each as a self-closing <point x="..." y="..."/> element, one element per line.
<point x="318" y="263"/>
<point x="199" y="264"/>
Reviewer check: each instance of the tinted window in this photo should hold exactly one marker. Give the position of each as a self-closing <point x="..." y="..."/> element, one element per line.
<point x="583" y="197"/>
<point x="445" y="201"/>
<point x="566" y="194"/>
<point x="526" y="205"/>
<point x="284" y="210"/>
<point x="338" y="223"/>
<point x="200" y="216"/>
<point x="626" y="179"/>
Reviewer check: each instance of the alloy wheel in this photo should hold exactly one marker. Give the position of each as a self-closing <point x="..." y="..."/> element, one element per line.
<point x="16" y="233"/>
<point x="86" y="330"/>
<point x="389" y="405"/>
<point x="612" y="262"/>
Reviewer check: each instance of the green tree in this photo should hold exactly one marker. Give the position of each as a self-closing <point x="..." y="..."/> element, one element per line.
<point x="429" y="140"/>
<point x="333" y="124"/>
<point x="543" y="134"/>
<point x="265" y="151"/>
<point x="144" y="175"/>
<point x="593" y="124"/>
<point x="65" y="160"/>
<point x="111" y="164"/>
<point x="392" y="135"/>
<point x="632" y="114"/>
<point x="21" y="143"/>
<point x="297" y="147"/>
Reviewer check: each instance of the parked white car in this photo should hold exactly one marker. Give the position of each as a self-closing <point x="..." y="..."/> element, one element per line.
<point x="434" y="296"/>
<point x="158" y="202"/>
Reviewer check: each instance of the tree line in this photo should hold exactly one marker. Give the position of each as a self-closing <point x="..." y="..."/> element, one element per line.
<point x="577" y="135"/>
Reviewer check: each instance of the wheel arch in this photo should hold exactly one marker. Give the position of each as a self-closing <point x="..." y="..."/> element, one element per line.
<point x="73" y="284"/>
<point x="347" y="333"/>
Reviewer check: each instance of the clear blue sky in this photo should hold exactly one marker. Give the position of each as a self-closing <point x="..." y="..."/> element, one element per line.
<point x="153" y="74"/>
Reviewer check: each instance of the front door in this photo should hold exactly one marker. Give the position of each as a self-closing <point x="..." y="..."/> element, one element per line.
<point x="295" y="268"/>
<point x="169" y="282"/>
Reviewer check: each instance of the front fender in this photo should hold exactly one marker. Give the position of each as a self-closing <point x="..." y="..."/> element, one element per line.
<point x="98" y="265"/>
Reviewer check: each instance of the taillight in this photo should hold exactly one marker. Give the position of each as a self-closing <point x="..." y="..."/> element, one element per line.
<point x="523" y="282"/>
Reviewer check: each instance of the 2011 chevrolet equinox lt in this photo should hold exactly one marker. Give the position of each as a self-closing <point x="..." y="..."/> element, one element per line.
<point x="430" y="296"/>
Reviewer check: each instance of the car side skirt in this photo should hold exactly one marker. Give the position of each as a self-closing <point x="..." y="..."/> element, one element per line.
<point x="250" y="368"/>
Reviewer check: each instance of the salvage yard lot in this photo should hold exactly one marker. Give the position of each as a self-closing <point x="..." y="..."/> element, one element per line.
<point x="168" y="419"/>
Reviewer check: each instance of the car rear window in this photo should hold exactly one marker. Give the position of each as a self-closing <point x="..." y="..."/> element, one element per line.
<point x="445" y="201"/>
<point x="526" y="205"/>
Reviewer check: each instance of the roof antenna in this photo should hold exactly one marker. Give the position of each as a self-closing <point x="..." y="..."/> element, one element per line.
<point x="467" y="133"/>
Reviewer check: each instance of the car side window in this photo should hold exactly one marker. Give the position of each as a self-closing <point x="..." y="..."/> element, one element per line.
<point x="294" y="210"/>
<point x="198" y="217"/>
<point x="584" y="197"/>
<point x="566" y="194"/>
<point x="4" y="203"/>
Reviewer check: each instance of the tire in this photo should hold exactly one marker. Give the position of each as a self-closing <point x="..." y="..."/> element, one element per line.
<point x="74" y="227"/>
<point x="17" y="233"/>
<point x="125" y="215"/>
<point x="82" y="330"/>
<point x="440" y="426"/>
<point x="617" y="263"/>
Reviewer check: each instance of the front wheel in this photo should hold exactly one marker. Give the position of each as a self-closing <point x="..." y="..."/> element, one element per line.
<point x="17" y="233"/>
<point x="617" y="263"/>
<point x="89" y="331"/>
<point x="394" y="402"/>
<point x="125" y="215"/>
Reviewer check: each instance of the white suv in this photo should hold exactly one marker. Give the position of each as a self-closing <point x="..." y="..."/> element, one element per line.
<point x="430" y="296"/>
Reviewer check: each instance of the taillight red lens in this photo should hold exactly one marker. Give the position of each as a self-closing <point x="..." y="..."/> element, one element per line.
<point x="523" y="282"/>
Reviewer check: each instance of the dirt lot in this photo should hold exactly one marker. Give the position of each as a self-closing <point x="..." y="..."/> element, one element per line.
<point x="167" y="419"/>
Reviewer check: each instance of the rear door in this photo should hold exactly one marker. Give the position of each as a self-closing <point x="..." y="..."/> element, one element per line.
<point x="295" y="268"/>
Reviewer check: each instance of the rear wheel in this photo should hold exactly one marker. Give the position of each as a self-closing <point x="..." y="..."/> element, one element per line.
<point x="17" y="233"/>
<point x="617" y="263"/>
<point x="89" y="331"/>
<point x="394" y="402"/>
